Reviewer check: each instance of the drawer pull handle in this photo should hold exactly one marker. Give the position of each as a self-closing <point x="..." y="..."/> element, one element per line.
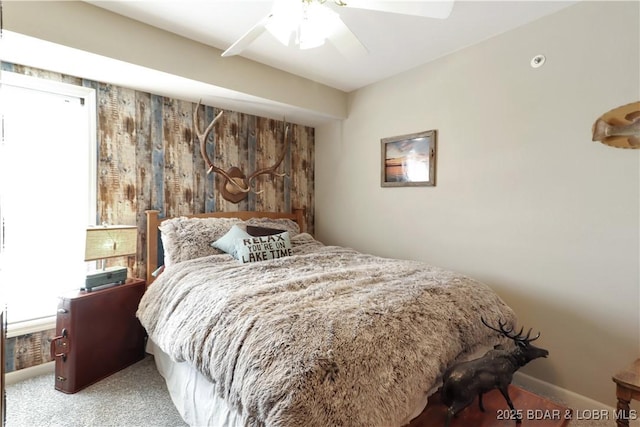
<point x="60" y="341"/>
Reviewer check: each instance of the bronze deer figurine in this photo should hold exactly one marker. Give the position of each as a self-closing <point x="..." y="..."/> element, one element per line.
<point x="235" y="185"/>
<point x="464" y="381"/>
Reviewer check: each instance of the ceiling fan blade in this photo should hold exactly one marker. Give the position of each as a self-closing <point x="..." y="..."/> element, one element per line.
<point x="247" y="38"/>
<point x="440" y="9"/>
<point x="346" y="42"/>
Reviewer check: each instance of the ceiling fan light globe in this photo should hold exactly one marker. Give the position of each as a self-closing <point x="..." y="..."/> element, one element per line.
<point x="310" y="32"/>
<point x="308" y="40"/>
<point x="318" y="23"/>
<point x="286" y="15"/>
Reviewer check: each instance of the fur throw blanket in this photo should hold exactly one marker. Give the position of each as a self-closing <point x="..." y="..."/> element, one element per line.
<point x="326" y="337"/>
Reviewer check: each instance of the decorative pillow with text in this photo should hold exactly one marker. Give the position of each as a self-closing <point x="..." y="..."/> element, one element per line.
<point x="262" y="248"/>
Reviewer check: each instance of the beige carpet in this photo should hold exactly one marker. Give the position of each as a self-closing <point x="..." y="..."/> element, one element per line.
<point x="135" y="396"/>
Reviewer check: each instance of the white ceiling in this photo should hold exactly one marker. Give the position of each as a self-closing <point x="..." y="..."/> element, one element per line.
<point x="395" y="42"/>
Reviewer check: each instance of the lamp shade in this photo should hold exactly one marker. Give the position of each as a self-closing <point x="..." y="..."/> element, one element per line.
<point x="110" y="241"/>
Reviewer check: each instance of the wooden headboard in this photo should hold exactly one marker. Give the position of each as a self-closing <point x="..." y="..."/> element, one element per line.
<point x="154" y="221"/>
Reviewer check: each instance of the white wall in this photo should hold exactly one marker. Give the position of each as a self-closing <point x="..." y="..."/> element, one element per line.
<point x="524" y="201"/>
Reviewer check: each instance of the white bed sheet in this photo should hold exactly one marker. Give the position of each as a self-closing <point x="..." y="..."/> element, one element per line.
<point x="198" y="403"/>
<point x="192" y="394"/>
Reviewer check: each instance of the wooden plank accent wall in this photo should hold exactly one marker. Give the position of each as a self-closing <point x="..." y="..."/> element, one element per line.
<point x="28" y="350"/>
<point x="148" y="159"/>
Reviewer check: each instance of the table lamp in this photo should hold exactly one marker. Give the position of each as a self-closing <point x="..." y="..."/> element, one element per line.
<point x="109" y="241"/>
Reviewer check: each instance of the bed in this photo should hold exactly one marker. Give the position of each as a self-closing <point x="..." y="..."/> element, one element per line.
<point x="318" y="336"/>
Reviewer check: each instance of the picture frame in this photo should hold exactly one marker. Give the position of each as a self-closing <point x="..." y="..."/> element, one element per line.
<point x="409" y="160"/>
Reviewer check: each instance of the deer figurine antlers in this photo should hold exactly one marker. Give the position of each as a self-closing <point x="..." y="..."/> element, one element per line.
<point x="461" y="383"/>
<point x="235" y="186"/>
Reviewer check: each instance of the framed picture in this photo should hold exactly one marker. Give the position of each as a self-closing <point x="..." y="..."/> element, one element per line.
<point x="409" y="160"/>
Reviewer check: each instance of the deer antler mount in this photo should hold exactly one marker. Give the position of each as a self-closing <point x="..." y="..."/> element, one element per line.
<point x="235" y="185"/>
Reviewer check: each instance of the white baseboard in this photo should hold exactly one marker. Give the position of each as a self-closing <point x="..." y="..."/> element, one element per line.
<point x="568" y="397"/>
<point x="26" y="373"/>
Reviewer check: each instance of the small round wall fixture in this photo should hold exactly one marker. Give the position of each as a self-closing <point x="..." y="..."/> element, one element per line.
<point x="538" y="61"/>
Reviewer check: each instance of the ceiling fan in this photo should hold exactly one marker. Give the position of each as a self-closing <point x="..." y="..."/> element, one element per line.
<point x="307" y="23"/>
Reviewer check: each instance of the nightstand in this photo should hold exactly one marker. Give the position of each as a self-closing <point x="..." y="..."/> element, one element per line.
<point x="627" y="388"/>
<point x="97" y="334"/>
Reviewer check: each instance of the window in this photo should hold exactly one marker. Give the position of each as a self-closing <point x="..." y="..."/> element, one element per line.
<point x="47" y="191"/>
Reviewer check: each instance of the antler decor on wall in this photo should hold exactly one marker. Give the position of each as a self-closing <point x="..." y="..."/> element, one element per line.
<point x="619" y="127"/>
<point x="235" y="185"/>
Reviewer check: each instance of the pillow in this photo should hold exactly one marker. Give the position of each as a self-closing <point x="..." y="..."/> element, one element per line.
<point x="279" y="223"/>
<point x="227" y="243"/>
<point x="262" y="248"/>
<point x="187" y="238"/>
<point x="254" y="230"/>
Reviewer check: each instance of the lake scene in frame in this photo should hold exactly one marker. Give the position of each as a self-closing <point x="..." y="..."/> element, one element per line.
<point x="407" y="160"/>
